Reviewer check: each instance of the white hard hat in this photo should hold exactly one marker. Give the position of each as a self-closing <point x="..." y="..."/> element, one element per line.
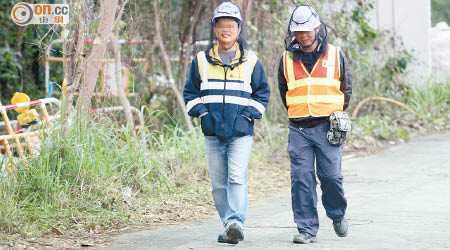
<point x="304" y="18"/>
<point x="227" y="9"/>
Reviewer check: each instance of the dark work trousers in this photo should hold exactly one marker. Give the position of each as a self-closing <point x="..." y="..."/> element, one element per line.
<point x="305" y="146"/>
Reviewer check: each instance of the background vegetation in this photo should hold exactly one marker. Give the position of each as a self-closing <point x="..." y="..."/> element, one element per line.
<point x="440" y="12"/>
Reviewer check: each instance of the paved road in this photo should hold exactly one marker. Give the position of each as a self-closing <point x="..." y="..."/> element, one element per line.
<point x="397" y="199"/>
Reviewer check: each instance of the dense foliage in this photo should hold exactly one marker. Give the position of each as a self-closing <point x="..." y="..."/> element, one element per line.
<point x="21" y="50"/>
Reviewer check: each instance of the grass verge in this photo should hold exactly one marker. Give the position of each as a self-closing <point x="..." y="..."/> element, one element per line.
<point x="104" y="179"/>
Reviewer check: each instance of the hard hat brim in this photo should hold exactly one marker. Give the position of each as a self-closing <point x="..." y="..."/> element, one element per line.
<point x="304" y="27"/>
<point x="237" y="16"/>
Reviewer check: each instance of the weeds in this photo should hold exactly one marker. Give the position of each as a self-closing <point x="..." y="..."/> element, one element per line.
<point x="387" y="122"/>
<point x="91" y="176"/>
<point x="104" y="176"/>
<point x="432" y="103"/>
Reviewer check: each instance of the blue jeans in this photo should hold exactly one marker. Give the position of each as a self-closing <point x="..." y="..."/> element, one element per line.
<point x="228" y="165"/>
<point x="306" y="146"/>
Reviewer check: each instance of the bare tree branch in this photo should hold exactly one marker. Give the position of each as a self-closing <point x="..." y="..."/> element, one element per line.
<point x="118" y="63"/>
<point x="119" y="15"/>
<point x="167" y="65"/>
<point x="119" y="80"/>
<point x="186" y="44"/>
<point x="72" y="77"/>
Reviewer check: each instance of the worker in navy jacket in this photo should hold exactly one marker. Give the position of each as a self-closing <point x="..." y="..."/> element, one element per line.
<point x="227" y="89"/>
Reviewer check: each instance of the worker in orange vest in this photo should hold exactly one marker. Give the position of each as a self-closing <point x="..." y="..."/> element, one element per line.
<point x="314" y="81"/>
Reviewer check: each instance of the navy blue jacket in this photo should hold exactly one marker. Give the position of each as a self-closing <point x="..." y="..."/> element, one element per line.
<point x="227" y="102"/>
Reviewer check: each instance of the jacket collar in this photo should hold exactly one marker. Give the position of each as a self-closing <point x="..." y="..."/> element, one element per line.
<point x="214" y="58"/>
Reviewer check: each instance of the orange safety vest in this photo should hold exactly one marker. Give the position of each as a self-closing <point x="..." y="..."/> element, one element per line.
<point x="317" y="93"/>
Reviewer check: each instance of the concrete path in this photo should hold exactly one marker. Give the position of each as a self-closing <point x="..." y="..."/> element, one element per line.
<point x="397" y="199"/>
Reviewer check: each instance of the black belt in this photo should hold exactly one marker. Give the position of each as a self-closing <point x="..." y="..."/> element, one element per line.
<point x="308" y="122"/>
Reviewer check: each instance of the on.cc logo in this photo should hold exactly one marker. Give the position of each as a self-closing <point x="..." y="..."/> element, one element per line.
<point x="22" y="13"/>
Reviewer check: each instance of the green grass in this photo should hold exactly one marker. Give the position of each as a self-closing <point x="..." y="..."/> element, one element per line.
<point x="104" y="176"/>
<point x="86" y="178"/>
<point x="432" y="103"/>
<point x="389" y="122"/>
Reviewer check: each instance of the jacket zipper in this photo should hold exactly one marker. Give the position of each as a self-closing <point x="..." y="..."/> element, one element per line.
<point x="223" y="106"/>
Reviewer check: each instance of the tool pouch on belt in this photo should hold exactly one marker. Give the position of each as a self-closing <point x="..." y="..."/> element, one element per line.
<point x="340" y="124"/>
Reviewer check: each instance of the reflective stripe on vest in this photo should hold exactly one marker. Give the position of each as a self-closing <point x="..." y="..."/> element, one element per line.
<point x="317" y="93"/>
<point x="209" y="83"/>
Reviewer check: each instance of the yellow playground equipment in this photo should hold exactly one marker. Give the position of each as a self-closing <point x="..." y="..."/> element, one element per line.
<point x="22" y="136"/>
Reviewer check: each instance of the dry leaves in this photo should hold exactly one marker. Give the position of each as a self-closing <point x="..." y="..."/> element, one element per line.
<point x="56" y="231"/>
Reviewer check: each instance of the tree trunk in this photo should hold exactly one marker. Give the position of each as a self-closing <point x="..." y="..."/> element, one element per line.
<point x="118" y="62"/>
<point x="246" y="6"/>
<point x="76" y="59"/>
<point x="119" y="80"/>
<point x="94" y="61"/>
<point x="167" y="65"/>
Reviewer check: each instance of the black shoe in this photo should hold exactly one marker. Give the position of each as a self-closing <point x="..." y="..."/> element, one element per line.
<point x="304" y="238"/>
<point x="222" y="238"/>
<point x="341" y="227"/>
<point x="232" y="235"/>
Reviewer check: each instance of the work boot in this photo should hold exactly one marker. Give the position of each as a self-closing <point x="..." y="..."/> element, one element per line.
<point x="341" y="227"/>
<point x="304" y="238"/>
<point x="224" y="239"/>
<point x="232" y="235"/>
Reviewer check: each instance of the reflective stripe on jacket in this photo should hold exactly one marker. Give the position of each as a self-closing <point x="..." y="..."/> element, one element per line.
<point x="233" y="95"/>
<point x="317" y="93"/>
